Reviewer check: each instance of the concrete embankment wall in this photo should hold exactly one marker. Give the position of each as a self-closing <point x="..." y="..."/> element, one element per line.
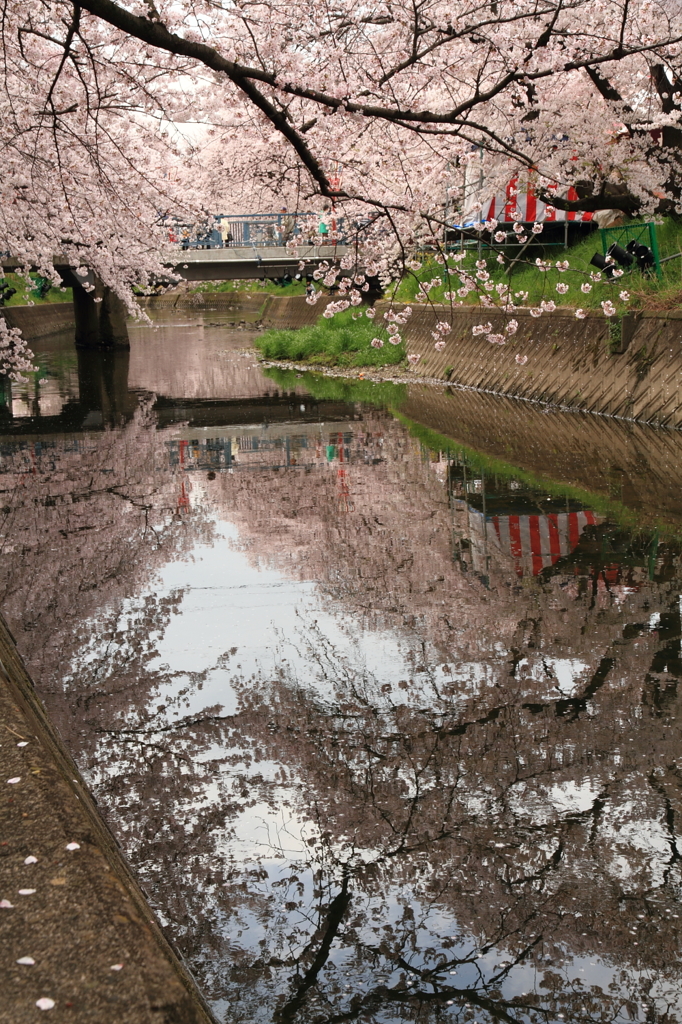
<point x="630" y="369"/>
<point x="40" y="321"/>
<point x="287" y="311"/>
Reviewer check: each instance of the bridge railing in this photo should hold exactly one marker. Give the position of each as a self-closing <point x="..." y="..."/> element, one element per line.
<point x="261" y="230"/>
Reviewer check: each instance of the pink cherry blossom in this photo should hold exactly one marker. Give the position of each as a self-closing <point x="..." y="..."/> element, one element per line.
<point x="385" y="124"/>
<point x="376" y="343"/>
<point x="521" y="360"/>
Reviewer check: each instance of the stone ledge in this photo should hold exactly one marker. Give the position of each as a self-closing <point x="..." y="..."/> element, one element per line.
<point x="87" y="912"/>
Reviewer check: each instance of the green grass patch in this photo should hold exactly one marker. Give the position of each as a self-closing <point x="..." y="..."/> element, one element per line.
<point x="25" y="293"/>
<point x="339" y="341"/>
<point x="258" y="286"/>
<point x="646" y="292"/>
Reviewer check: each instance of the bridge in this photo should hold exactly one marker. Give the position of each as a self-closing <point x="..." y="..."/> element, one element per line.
<point x="100" y="315"/>
<point x="235" y="263"/>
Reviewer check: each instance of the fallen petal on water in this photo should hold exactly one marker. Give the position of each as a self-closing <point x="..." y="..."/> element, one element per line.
<point x="45" y="1003"/>
<point x="116" y="967"/>
<point x="31" y="860"/>
<point x="26" y="892"/>
<point x="73" y="846"/>
<point x="6" y="905"/>
<point x="24" y="743"/>
<point x="27" y="960"/>
<point x="11" y="782"/>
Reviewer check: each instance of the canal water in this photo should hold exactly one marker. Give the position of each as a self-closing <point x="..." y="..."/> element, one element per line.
<point x="377" y="686"/>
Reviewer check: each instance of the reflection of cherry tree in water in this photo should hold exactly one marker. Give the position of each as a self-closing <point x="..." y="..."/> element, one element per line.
<point x="498" y="835"/>
<point x="538" y="828"/>
<point x="85" y="523"/>
<point x="337" y="845"/>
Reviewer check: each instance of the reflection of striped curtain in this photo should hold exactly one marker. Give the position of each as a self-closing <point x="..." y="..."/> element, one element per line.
<point x="536" y="542"/>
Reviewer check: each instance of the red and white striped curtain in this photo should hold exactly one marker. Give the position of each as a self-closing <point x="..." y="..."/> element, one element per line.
<point x="536" y="542"/>
<point x="524" y="207"/>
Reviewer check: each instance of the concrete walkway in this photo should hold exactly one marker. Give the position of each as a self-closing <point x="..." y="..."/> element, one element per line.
<point x="78" y="942"/>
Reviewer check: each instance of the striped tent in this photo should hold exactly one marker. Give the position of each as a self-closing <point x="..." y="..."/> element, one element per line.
<point x="519" y="204"/>
<point x="526" y="208"/>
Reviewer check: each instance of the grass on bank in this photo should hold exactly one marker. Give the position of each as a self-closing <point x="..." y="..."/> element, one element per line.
<point x="650" y="293"/>
<point x="646" y="292"/>
<point x="266" y="287"/>
<point x="25" y="293"/>
<point x="339" y="341"/>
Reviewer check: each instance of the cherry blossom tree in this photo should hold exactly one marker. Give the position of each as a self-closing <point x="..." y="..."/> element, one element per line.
<point x="378" y="105"/>
<point x="375" y="110"/>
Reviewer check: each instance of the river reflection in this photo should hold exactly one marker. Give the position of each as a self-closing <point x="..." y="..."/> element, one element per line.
<point x="386" y="735"/>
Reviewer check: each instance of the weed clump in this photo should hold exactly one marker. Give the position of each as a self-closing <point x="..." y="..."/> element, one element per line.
<point x="339" y="341"/>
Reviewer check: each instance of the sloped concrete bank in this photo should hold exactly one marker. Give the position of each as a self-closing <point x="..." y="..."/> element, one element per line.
<point x="40" y="321"/>
<point x="631" y="369"/>
<point x="68" y="901"/>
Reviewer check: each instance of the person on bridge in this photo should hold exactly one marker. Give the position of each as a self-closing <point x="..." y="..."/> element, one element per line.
<point x="323" y="228"/>
<point x="286" y="226"/>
